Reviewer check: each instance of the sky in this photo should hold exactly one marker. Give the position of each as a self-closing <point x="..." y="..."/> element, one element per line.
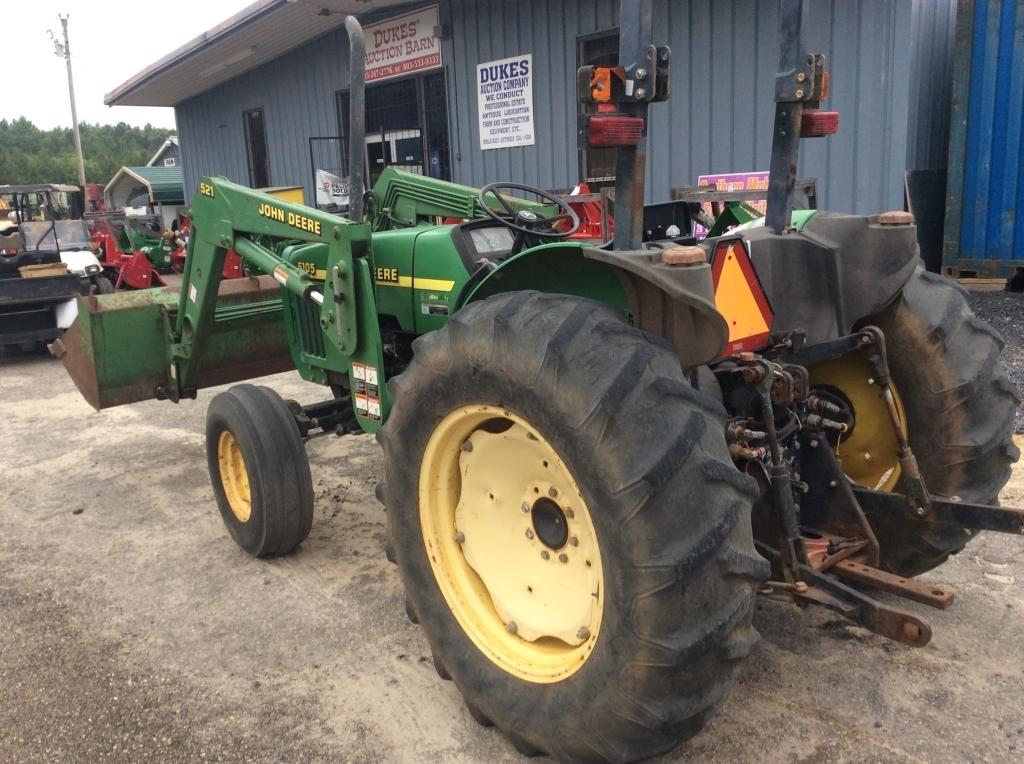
<point x="111" y="40"/>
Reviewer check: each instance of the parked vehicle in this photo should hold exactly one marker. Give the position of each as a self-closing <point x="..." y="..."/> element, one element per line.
<point x="46" y="260"/>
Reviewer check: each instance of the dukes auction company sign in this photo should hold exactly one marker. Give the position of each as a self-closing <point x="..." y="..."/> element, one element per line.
<point x="403" y="45"/>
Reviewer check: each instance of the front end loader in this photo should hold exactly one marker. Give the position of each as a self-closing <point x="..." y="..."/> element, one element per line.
<point x="596" y="457"/>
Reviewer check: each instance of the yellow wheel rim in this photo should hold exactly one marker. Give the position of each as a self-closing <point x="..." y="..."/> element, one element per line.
<point x="511" y="543"/>
<point x="233" y="476"/>
<point x="869" y="453"/>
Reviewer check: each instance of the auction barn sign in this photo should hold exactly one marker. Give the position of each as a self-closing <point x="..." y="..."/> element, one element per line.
<point x="402" y="45"/>
<point x="504" y="98"/>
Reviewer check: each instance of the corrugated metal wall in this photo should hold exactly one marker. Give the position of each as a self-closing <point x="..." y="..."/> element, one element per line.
<point x="718" y="119"/>
<point x="986" y="167"/>
<point x="296" y="93"/>
<point x="932" y="35"/>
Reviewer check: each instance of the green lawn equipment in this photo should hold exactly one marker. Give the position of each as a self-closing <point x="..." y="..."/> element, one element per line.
<point x="595" y="457"/>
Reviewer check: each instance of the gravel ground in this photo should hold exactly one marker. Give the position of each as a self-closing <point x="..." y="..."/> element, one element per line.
<point x="133" y="629"/>
<point x="1005" y="312"/>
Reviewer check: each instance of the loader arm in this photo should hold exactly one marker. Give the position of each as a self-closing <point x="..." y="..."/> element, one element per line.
<point x="271" y="236"/>
<point x="402" y="199"/>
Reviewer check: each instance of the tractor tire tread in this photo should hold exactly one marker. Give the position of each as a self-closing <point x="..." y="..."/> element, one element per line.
<point x="281" y="485"/>
<point x="960" y="406"/>
<point x="683" y="563"/>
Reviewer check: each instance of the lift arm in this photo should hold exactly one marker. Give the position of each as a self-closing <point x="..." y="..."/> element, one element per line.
<point x="258" y="228"/>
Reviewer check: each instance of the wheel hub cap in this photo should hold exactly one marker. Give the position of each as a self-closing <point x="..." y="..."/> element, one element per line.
<point x="511" y="542"/>
<point x="868" y="453"/>
<point x="549" y="524"/>
<point x="234" y="476"/>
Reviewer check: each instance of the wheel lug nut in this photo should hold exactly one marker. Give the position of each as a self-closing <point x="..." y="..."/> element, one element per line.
<point x="574" y="541"/>
<point x="525" y="507"/>
<point x="459" y="537"/>
<point x="583" y="633"/>
<point x="511" y="627"/>
<point x="467" y="446"/>
<point x="563" y="557"/>
<point x="544" y="554"/>
<point x="569" y="513"/>
<point x="552" y="492"/>
<point x="529" y="533"/>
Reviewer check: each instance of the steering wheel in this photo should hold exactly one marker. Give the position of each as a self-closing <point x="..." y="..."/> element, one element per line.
<point x="528" y="223"/>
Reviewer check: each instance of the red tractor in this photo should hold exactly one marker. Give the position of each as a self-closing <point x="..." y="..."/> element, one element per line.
<point x="135" y="252"/>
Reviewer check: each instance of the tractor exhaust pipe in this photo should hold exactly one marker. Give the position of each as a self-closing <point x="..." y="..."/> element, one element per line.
<point x="356" y="117"/>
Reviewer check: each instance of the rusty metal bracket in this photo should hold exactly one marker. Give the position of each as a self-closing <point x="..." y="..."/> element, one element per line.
<point x="831" y="506"/>
<point x="863" y="610"/>
<point x="975" y="517"/>
<point x="918" y="591"/>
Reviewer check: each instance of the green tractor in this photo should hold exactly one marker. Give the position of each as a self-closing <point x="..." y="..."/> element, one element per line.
<point x="595" y="457"/>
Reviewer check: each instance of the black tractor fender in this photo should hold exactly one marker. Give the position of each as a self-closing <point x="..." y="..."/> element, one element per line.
<point x="675" y="302"/>
<point x="838" y="270"/>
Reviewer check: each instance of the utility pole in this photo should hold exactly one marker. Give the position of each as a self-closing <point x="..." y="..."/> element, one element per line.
<point x="64" y="51"/>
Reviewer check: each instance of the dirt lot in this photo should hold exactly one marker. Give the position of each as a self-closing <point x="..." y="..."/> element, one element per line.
<point x="132" y="627"/>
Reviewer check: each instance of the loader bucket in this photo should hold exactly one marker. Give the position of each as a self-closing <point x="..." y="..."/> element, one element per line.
<point x="117" y="349"/>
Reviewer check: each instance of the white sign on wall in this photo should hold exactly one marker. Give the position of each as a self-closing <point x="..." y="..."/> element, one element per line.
<point x="330" y="189"/>
<point x="402" y="45"/>
<point x="504" y="94"/>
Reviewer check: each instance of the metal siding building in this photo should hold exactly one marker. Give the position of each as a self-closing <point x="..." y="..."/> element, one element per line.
<point x="889" y="60"/>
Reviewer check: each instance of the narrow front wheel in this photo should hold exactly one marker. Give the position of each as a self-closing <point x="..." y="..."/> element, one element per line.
<point x="260" y="473"/>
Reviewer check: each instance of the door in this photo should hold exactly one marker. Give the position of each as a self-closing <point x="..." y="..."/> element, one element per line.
<point x="256" y="146"/>
<point x="406" y="126"/>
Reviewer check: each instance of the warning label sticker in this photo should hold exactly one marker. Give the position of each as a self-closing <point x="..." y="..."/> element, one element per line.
<point x="374" y="408"/>
<point x="367" y="405"/>
<point x="366" y="382"/>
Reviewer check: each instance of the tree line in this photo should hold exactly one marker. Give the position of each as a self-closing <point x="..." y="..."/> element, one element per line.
<point x="29" y="154"/>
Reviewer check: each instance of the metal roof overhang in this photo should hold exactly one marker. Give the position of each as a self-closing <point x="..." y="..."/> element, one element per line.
<point x="161" y="191"/>
<point x="252" y="37"/>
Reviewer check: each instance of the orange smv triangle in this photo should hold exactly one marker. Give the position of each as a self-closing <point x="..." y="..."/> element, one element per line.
<point x="740" y="298"/>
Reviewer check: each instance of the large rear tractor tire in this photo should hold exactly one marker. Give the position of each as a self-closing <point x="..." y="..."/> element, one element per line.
<point x="570" y="531"/>
<point x="259" y="470"/>
<point x="958" y="407"/>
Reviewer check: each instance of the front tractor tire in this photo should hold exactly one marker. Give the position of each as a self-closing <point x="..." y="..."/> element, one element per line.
<point x="259" y="469"/>
<point x="570" y="531"/>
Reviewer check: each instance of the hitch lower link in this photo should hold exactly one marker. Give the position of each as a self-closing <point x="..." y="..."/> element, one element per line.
<point x="818" y="567"/>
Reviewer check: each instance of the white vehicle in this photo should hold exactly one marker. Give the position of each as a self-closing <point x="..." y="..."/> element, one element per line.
<point x="70" y="240"/>
<point x="41" y="230"/>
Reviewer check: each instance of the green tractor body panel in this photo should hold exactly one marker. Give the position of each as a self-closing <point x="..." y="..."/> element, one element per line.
<point x="560" y="268"/>
<point x="334" y="288"/>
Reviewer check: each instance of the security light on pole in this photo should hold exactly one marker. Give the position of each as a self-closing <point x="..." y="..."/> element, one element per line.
<point x="63" y="50"/>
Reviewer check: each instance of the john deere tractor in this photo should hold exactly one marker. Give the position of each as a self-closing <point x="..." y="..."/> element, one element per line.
<point x="596" y="457"/>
